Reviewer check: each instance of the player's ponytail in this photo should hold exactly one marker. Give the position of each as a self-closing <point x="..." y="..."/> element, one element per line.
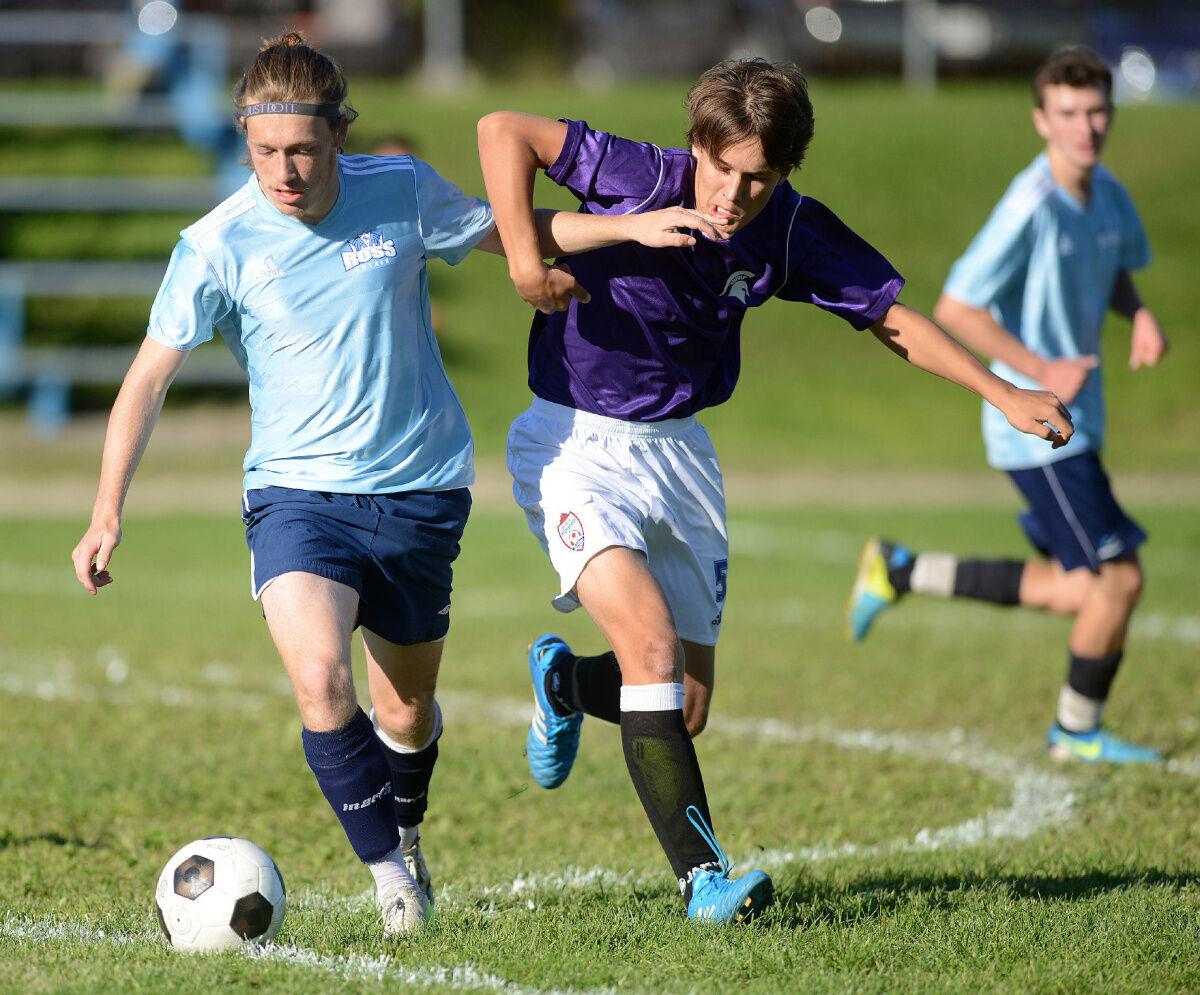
<point x="288" y="70"/>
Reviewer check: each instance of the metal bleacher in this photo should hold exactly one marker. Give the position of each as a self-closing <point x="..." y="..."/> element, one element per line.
<point x="46" y="375"/>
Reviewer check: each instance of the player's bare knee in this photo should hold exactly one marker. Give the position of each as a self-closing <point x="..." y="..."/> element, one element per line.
<point x="1124" y="579"/>
<point x="405" y="720"/>
<point x="1068" y="592"/>
<point x="659" y="661"/>
<point x="325" y="695"/>
<point x="695" y="717"/>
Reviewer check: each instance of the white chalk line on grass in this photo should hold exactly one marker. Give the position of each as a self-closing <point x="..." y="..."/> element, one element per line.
<point x="53" y="678"/>
<point x="1040" y="799"/>
<point x="350" y="967"/>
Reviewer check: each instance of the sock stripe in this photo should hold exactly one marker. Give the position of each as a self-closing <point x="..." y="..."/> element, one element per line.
<point x="398" y="747"/>
<point x="651" y="697"/>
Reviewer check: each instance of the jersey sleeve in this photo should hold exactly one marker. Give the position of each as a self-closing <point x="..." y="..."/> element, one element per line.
<point x="1135" y="247"/>
<point x="999" y="253"/>
<point x="452" y="223"/>
<point x="609" y="175"/>
<point x="190" y="303"/>
<point x="832" y="267"/>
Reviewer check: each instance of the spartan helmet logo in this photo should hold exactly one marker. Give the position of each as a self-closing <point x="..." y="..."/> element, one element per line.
<point x="738" y="285"/>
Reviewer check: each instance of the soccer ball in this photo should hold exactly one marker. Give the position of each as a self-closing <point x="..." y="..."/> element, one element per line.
<point x="218" y="893"/>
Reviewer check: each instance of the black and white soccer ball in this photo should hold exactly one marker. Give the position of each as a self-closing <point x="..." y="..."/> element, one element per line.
<point x="218" y="893"/>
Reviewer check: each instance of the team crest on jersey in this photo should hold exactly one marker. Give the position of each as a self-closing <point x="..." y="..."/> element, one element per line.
<point x="570" y="531"/>
<point x="369" y="250"/>
<point x="738" y="285"/>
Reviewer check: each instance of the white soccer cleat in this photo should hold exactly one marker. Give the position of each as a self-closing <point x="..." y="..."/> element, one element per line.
<point x="414" y="860"/>
<point x="403" y="907"/>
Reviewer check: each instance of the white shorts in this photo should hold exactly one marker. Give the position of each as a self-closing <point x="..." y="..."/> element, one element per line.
<point x="587" y="483"/>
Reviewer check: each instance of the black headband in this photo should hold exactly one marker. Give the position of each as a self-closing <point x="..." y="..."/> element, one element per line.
<point x="331" y="111"/>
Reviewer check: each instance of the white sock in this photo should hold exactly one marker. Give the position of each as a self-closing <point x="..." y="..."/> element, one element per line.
<point x="399" y="747"/>
<point x="389" y="871"/>
<point x="1077" y="712"/>
<point x="651" y="697"/>
<point x="409" y="836"/>
<point x="933" y="573"/>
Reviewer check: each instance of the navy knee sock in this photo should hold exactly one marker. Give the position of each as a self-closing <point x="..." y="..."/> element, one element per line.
<point x="353" y="775"/>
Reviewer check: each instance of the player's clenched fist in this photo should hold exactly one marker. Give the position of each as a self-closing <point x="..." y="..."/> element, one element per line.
<point x="91" y="557"/>
<point x="1040" y="413"/>
<point x="550" y="288"/>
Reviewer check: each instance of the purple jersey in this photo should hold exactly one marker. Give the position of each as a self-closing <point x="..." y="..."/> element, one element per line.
<point x="660" y="337"/>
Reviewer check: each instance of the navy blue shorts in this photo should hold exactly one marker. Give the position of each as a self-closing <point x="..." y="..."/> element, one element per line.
<point x="395" y="550"/>
<point x="1073" y="516"/>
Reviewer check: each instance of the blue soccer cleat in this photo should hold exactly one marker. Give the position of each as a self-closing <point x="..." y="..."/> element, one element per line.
<point x="553" y="739"/>
<point x="873" y="590"/>
<point x="1097" y="747"/>
<point x="718" y="898"/>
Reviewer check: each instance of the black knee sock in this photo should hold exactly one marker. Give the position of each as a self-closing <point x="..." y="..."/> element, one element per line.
<point x="411" y="773"/>
<point x="996" y="581"/>
<point x="662" y="763"/>
<point x="1092" y="677"/>
<point x="596" y="686"/>
<point x="944" y="575"/>
<point x="353" y="775"/>
<point x="901" y="576"/>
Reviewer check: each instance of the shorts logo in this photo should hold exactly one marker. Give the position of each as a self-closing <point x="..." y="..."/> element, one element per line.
<point x="370" y="247"/>
<point x="570" y="531"/>
<point x="1110" y="547"/>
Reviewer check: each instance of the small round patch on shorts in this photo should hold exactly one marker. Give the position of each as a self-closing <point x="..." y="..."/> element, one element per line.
<point x="570" y="531"/>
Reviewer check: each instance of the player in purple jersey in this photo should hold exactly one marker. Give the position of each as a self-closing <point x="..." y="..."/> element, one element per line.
<point x="316" y="275"/>
<point x="618" y="480"/>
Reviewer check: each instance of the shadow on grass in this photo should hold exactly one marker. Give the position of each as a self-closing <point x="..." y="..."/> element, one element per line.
<point x="870" y="898"/>
<point x="11" y="841"/>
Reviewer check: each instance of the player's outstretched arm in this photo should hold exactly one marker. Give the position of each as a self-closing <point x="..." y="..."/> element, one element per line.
<point x="513" y="147"/>
<point x="1147" y="342"/>
<point x="980" y="331"/>
<point x="129" y="426"/>
<point x="910" y="334"/>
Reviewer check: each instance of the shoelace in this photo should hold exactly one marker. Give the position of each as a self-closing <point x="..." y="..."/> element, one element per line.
<point x="709" y="837"/>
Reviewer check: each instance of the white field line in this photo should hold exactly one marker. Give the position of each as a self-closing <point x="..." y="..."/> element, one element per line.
<point x="53" y="678"/>
<point x="350" y="967"/>
<point x="1040" y="799"/>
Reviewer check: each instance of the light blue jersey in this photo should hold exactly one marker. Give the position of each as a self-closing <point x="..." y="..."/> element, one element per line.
<point x="1045" y="266"/>
<point x="331" y="324"/>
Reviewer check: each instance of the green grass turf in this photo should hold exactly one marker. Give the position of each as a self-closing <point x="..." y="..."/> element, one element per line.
<point x="154" y="714"/>
<point x="917" y="176"/>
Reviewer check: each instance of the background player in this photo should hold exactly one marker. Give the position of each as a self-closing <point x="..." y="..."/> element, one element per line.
<point x="360" y="456"/>
<point x="618" y="480"/>
<point x="1031" y="294"/>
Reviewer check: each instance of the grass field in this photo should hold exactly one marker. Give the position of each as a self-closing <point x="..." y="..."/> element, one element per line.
<point x="897" y="791"/>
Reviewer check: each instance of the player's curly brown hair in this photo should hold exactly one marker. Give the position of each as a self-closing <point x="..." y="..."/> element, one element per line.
<point x="289" y="69"/>
<point x="752" y="98"/>
<point x="1077" y="67"/>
